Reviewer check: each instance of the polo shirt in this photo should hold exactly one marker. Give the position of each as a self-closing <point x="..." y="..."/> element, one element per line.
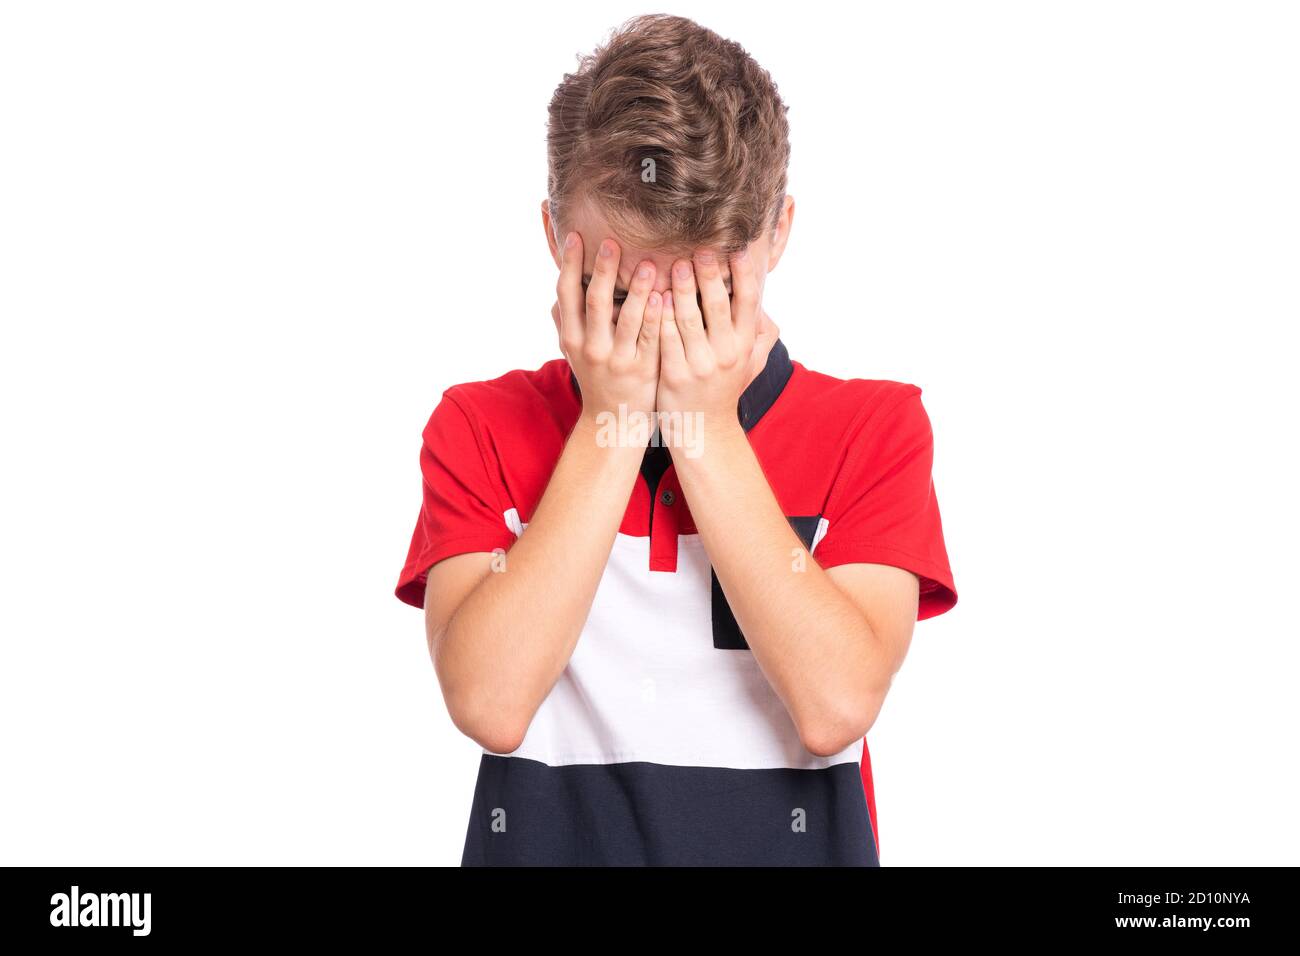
<point x="662" y="743"/>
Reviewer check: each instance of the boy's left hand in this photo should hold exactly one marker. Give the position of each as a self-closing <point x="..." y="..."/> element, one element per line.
<point x="706" y="357"/>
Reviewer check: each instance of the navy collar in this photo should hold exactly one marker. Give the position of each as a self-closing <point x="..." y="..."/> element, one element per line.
<point x="760" y="395"/>
<point x="766" y="388"/>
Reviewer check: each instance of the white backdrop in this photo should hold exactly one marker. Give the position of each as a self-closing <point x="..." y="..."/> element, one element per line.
<point x="244" y="246"/>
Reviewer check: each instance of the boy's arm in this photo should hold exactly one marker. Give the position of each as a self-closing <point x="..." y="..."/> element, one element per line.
<point x="829" y="642"/>
<point x="499" y="641"/>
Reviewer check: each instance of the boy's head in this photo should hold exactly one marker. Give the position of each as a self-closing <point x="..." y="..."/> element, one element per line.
<point x="669" y="139"/>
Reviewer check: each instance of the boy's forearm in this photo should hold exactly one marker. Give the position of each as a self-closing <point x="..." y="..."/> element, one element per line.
<point x="512" y="637"/>
<point x="813" y="644"/>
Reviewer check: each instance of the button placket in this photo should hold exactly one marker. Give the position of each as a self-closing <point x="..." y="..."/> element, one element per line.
<point x="663" y="529"/>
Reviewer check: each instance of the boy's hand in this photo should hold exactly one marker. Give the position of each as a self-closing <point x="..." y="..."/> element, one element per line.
<point x="616" y="360"/>
<point x="707" y="360"/>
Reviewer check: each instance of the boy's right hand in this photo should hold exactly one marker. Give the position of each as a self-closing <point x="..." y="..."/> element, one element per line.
<point x="614" y="357"/>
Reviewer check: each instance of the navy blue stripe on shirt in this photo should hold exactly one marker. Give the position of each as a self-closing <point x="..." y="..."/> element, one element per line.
<point x="526" y="813"/>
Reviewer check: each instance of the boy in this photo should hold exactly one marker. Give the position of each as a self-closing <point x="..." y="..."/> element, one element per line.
<point x="668" y="578"/>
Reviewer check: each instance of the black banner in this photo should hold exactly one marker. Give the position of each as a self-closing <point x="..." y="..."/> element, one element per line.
<point x="135" y="907"/>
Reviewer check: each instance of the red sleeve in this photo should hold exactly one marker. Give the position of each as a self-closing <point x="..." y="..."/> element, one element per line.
<point x="883" y="509"/>
<point x="462" y="509"/>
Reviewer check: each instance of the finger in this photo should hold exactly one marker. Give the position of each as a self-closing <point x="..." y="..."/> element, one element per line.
<point x="630" y="316"/>
<point x="672" y="355"/>
<point x="690" y="323"/>
<point x="713" y="295"/>
<point x="647" y="344"/>
<point x="599" y="301"/>
<point x="568" y="292"/>
<point x="744" y="294"/>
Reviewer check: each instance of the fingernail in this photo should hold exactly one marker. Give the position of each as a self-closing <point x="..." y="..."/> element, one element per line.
<point x="743" y="253"/>
<point x="570" y="240"/>
<point x="653" y="301"/>
<point x="606" y="248"/>
<point x="643" y="272"/>
<point x="683" y="270"/>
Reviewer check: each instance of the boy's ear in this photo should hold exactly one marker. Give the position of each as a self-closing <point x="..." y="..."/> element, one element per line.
<point x="781" y="232"/>
<point x="549" y="226"/>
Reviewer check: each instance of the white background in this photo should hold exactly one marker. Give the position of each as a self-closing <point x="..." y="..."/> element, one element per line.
<point x="244" y="246"/>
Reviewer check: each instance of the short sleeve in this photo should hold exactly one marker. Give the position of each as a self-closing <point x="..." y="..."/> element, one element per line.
<point x="883" y="508"/>
<point x="461" y="509"/>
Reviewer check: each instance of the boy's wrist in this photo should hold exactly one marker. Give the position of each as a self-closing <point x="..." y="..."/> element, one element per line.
<point x="622" y="435"/>
<point x="713" y="440"/>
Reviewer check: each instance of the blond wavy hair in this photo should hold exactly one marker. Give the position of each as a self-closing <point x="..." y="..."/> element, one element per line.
<point x="676" y="133"/>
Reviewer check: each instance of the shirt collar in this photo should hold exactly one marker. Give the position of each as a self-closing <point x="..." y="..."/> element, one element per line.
<point x="760" y="395"/>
